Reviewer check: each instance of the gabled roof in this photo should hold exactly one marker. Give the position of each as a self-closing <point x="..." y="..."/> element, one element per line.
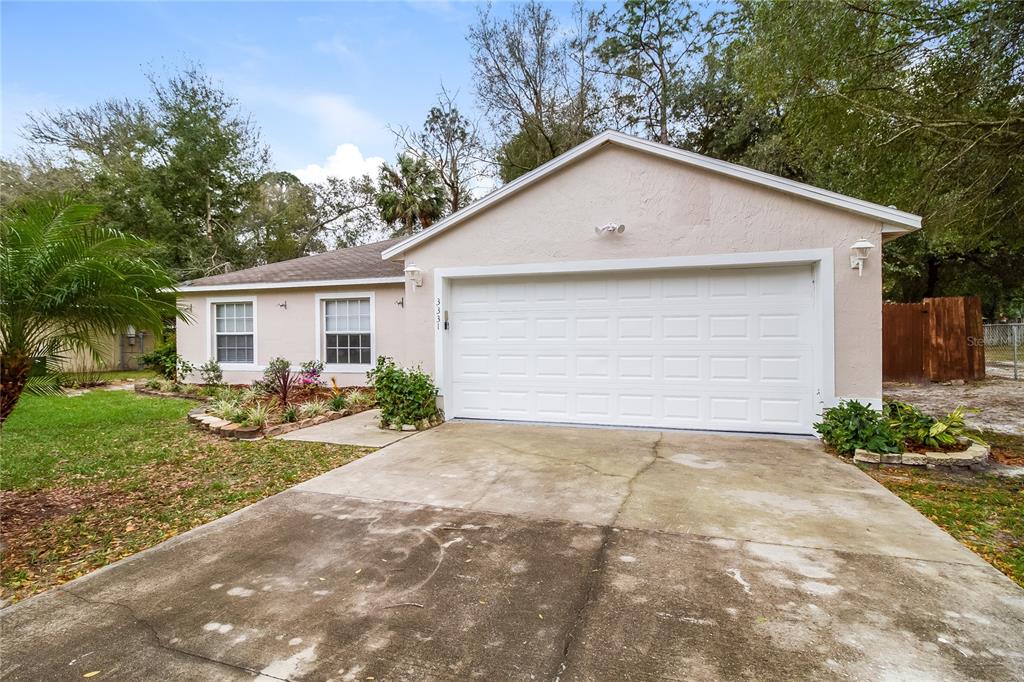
<point x="354" y="265"/>
<point x="894" y="220"/>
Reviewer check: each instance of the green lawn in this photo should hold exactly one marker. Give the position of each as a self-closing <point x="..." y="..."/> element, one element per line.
<point x="983" y="511"/>
<point x="90" y="479"/>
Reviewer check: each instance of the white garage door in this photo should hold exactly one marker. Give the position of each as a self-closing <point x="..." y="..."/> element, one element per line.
<point x="730" y="349"/>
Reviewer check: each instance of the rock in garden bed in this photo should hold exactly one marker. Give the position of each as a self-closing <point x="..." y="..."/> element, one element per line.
<point x="975" y="454"/>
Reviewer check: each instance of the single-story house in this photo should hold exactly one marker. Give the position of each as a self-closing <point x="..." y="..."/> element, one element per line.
<point x="622" y="283"/>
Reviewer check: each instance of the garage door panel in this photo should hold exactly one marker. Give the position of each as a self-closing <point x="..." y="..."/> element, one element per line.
<point x="720" y="349"/>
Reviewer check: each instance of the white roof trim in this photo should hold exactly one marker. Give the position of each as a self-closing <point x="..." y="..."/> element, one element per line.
<point x="895" y="220"/>
<point x="243" y="286"/>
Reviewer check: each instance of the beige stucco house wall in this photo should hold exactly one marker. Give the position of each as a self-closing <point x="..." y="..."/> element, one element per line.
<point x="670" y="209"/>
<point x="286" y="322"/>
<point x="685" y="216"/>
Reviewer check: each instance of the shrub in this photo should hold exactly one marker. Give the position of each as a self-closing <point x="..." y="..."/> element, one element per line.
<point x="226" y="409"/>
<point x="338" y="402"/>
<point x="278" y="380"/>
<point x="165" y="360"/>
<point x="210" y="373"/>
<point x="851" y="425"/>
<point x="405" y="396"/>
<point x="153" y="383"/>
<point x="248" y="395"/>
<point x="916" y="428"/>
<point x="290" y="414"/>
<point x="256" y="415"/>
<point x="313" y="408"/>
<point x="359" y="398"/>
<point x="311" y="373"/>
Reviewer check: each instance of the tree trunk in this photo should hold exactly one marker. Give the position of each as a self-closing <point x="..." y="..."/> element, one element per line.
<point x="931" y="277"/>
<point x="14" y="370"/>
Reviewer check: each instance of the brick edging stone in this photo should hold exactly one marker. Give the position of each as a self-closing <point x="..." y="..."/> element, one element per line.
<point x="225" y="429"/>
<point x="975" y="454"/>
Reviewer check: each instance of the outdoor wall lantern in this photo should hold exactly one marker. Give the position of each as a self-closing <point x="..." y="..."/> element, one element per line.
<point x="860" y="254"/>
<point x="130" y="333"/>
<point x="610" y="228"/>
<point x="415" y="275"/>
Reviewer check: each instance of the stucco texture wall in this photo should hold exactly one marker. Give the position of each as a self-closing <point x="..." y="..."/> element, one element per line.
<point x="289" y="332"/>
<point x="670" y="210"/>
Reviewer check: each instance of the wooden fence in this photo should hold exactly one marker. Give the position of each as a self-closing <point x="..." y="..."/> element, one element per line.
<point x="939" y="339"/>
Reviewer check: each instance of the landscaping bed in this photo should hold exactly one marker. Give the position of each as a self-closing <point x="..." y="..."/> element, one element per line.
<point x="86" y="481"/>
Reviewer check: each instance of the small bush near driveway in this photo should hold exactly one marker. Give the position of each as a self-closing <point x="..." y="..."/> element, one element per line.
<point x="85" y="481"/>
<point x="405" y="396"/>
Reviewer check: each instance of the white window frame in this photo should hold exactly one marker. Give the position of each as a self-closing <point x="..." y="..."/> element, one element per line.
<point x="211" y="325"/>
<point x="321" y="355"/>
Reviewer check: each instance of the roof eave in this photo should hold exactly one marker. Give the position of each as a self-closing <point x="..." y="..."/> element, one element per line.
<point x="891" y="217"/>
<point x="302" y="284"/>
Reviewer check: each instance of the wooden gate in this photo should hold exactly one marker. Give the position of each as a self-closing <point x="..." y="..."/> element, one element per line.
<point x="939" y="339"/>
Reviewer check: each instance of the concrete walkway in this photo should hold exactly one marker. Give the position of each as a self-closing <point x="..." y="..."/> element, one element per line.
<point x="361" y="428"/>
<point x="526" y="552"/>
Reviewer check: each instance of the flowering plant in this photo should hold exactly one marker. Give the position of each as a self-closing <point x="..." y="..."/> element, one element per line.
<point x="311" y="373"/>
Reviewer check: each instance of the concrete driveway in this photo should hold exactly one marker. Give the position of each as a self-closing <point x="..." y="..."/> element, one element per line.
<point x="528" y="552"/>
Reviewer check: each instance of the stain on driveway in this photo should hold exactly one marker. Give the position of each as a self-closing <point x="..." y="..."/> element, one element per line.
<point x="525" y="552"/>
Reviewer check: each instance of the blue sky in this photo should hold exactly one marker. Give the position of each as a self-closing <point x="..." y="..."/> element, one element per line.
<point x="314" y="76"/>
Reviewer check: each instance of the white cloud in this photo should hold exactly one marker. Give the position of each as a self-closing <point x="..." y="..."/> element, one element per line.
<point x="335" y="46"/>
<point x="346" y="162"/>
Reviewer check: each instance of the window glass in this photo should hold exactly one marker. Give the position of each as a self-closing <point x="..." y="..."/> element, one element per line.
<point x="234" y="332"/>
<point x="347" y="331"/>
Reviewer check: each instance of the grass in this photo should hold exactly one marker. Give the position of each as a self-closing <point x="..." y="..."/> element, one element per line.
<point x="88" y="480"/>
<point x="983" y="511"/>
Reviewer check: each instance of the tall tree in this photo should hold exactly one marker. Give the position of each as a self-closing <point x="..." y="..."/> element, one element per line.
<point x="451" y="144"/>
<point x="66" y="283"/>
<point x="177" y="168"/>
<point x="410" y="195"/>
<point x="535" y="82"/>
<point x="918" y="104"/>
<point x="651" y="49"/>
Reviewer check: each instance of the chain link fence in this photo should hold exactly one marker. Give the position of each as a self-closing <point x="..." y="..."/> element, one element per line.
<point x="1004" y="350"/>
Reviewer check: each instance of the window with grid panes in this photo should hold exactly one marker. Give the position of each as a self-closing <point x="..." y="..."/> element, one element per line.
<point x="347" y="331"/>
<point x="234" y="333"/>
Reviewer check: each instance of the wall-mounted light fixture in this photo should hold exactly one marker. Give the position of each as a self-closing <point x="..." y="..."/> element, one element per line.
<point x="415" y="275"/>
<point x="860" y="249"/>
<point x="130" y="333"/>
<point x="610" y="228"/>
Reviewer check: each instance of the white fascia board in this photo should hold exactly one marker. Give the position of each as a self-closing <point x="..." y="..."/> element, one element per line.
<point x="894" y="218"/>
<point x="291" y="285"/>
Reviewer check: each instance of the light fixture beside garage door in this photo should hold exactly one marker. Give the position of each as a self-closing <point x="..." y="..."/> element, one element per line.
<point x="610" y="228"/>
<point x="860" y="254"/>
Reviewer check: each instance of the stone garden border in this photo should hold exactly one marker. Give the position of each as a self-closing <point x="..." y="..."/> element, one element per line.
<point x="225" y="429"/>
<point x="975" y="455"/>
<point x="141" y="389"/>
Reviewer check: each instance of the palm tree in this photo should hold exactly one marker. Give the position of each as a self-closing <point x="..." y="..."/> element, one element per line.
<point x="66" y="282"/>
<point x="411" y="196"/>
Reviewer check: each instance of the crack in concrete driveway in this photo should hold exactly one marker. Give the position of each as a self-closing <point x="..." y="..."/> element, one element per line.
<point x="528" y="552"/>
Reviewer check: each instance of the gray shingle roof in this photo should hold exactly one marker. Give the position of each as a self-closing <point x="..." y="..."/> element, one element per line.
<point x="356" y="262"/>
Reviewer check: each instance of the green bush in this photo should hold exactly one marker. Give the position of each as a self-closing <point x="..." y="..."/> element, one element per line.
<point x="278" y="379"/>
<point x="916" y="428"/>
<point x="405" y="396"/>
<point x="164" y="359"/>
<point x="360" y="398"/>
<point x="210" y="373"/>
<point x="338" y="402"/>
<point x="256" y="415"/>
<point x="851" y="425"/>
<point x="314" y="408"/>
<point x="290" y="414"/>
